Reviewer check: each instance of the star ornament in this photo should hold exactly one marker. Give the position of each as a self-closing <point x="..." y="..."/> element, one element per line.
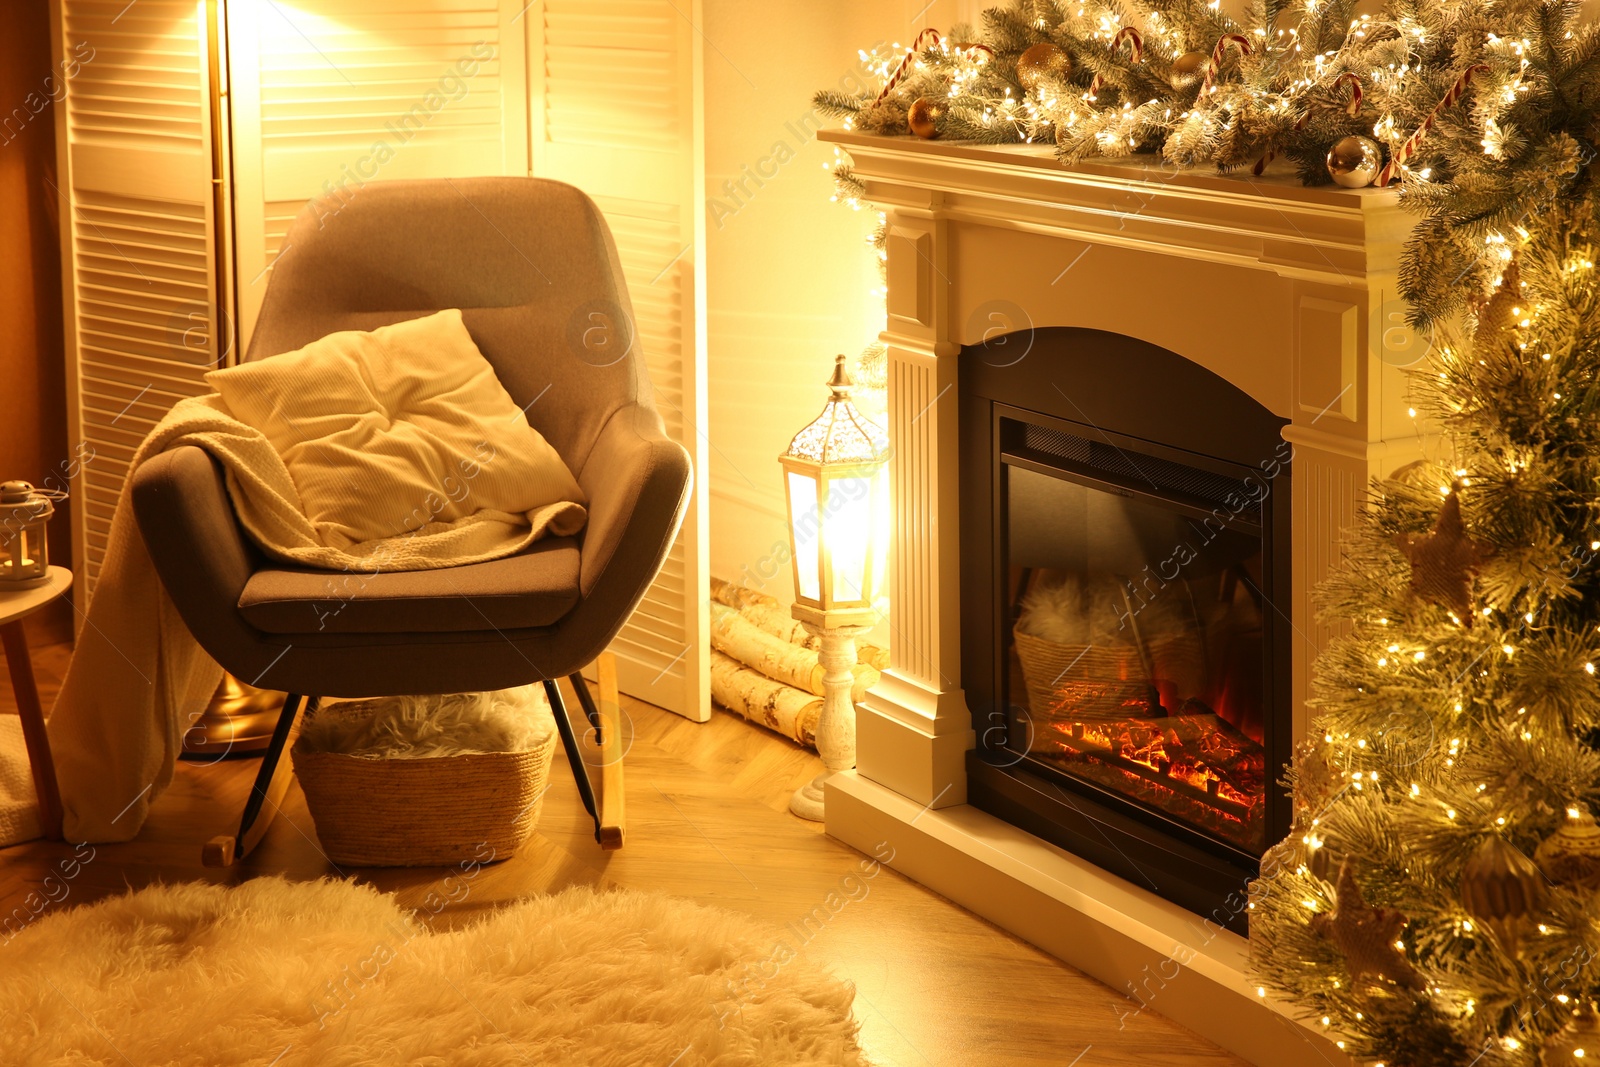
<point x="1366" y="935"/>
<point x="1444" y="560"/>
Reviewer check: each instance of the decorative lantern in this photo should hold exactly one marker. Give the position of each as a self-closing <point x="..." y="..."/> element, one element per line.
<point x="834" y="473"/>
<point x="24" y="513"/>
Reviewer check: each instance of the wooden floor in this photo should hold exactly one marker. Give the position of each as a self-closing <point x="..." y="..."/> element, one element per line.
<point x="707" y="820"/>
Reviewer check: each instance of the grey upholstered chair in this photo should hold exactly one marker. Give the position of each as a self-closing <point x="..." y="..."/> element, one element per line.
<point x="533" y="268"/>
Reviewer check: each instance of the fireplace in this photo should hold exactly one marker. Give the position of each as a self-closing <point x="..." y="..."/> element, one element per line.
<point x="1125" y="642"/>
<point x="1187" y="326"/>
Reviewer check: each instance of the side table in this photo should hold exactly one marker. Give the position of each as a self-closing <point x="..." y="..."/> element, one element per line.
<point x="14" y="607"/>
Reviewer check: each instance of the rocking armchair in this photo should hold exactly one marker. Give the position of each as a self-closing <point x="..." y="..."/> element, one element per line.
<point x="533" y="267"/>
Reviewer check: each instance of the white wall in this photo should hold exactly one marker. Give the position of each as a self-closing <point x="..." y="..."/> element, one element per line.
<point x="789" y="276"/>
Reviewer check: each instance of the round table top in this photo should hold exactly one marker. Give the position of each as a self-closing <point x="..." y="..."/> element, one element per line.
<point x="14" y="604"/>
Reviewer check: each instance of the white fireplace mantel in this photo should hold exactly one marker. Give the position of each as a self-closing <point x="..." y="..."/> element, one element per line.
<point x="1290" y="294"/>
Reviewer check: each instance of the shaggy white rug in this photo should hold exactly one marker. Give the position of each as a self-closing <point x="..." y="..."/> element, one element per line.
<point x="332" y="973"/>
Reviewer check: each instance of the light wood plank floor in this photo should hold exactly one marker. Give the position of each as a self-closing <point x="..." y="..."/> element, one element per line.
<point x="707" y="819"/>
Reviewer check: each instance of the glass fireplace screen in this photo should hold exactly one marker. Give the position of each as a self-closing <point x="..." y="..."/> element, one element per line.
<point x="1135" y="654"/>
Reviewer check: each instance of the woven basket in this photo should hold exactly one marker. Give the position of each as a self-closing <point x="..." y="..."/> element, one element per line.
<point x="424" y="812"/>
<point x="1099" y="682"/>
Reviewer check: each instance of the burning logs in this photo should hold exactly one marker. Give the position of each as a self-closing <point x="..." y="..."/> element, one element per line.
<point x="1203" y="757"/>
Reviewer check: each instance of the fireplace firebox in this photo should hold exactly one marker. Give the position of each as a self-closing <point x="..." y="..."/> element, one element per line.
<point x="1125" y="631"/>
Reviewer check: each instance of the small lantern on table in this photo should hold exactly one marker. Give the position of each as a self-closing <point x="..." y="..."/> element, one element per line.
<point x="835" y="482"/>
<point x="24" y="552"/>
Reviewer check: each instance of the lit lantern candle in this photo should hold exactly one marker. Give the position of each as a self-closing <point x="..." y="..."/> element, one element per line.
<point x="24" y="554"/>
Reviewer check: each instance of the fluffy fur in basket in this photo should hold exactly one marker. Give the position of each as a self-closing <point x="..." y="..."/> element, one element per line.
<point x="330" y="972"/>
<point x="1073" y="610"/>
<point x="420" y="727"/>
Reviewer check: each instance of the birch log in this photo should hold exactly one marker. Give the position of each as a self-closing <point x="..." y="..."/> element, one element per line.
<point x="760" y="699"/>
<point x="736" y="636"/>
<point x="768" y="615"/>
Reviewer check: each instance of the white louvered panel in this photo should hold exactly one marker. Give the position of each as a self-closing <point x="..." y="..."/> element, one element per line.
<point x="602" y="52"/>
<point x="141" y="87"/>
<point x="649" y="242"/>
<point x="142" y="298"/>
<point x="656" y="638"/>
<point x="337" y="80"/>
<point x="276" y="218"/>
<point x="329" y="96"/>
<point x="616" y="113"/>
<point x="650" y="248"/>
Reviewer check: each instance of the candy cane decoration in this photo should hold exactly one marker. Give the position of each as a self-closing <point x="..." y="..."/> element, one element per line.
<point x="1136" y="52"/>
<point x="1408" y="147"/>
<point x="926" y="38"/>
<point x="1239" y="41"/>
<point x="1353" y="108"/>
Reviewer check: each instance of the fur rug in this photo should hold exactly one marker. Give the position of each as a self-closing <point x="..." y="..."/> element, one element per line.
<point x="332" y="973"/>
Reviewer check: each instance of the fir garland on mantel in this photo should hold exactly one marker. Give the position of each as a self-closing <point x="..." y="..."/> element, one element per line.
<point x="1486" y="109"/>
<point x="1437" y="902"/>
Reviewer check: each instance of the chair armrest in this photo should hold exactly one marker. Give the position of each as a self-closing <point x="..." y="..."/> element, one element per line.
<point x="637" y="481"/>
<point x="186" y="518"/>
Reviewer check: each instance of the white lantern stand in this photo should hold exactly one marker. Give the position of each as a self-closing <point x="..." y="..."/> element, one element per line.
<point x="834" y="475"/>
<point x="24" y="548"/>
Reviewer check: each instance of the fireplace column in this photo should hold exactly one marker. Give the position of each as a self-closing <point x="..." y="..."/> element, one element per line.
<point x="913" y="729"/>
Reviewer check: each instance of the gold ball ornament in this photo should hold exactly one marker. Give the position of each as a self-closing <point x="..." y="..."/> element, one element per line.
<point x="924" y="117"/>
<point x="1041" y="61"/>
<point x="1189" y="68"/>
<point x="1500" y="887"/>
<point x="1354" y="162"/>
<point x="1571" y="856"/>
<point x="1579" y="1043"/>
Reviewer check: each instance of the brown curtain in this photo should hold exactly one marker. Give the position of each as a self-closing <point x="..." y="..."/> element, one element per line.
<point x="33" y="406"/>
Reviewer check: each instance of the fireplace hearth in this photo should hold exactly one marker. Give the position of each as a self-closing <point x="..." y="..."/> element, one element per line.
<point x="1125" y="636"/>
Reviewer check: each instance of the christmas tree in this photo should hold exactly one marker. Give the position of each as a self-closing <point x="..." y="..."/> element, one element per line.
<point x="1437" y="901"/>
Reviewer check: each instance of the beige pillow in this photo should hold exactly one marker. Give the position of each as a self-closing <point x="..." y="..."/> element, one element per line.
<point x="388" y="432"/>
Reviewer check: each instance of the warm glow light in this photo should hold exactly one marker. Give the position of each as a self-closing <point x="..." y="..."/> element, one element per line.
<point x="835" y="478"/>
